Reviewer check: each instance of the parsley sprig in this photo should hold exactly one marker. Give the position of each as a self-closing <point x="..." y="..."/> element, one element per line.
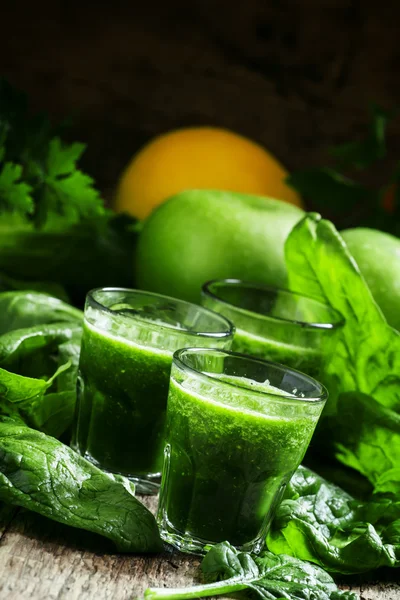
<point x="39" y="176"/>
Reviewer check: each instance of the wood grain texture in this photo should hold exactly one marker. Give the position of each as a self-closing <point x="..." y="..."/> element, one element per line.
<point x="40" y="559"/>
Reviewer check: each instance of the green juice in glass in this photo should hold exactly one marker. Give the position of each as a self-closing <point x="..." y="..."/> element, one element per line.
<point x="128" y="341"/>
<point x="275" y="324"/>
<point x="123" y="388"/>
<point x="303" y="358"/>
<point x="233" y="440"/>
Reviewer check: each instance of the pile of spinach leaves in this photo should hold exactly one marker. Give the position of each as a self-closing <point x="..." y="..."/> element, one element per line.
<point x="320" y="522"/>
<point x="39" y="352"/>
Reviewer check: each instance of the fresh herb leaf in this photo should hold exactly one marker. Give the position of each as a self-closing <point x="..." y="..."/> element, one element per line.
<point x="20" y="309"/>
<point x="363" y="375"/>
<point x="41" y="474"/>
<point x="69" y="351"/>
<point x="32" y="351"/>
<point x="65" y="190"/>
<point x="372" y="440"/>
<point x="38" y="369"/>
<point x="54" y="226"/>
<point x="39" y="352"/>
<point x="15" y="194"/>
<point x="39" y="175"/>
<point x="319" y="522"/>
<point x="268" y="576"/>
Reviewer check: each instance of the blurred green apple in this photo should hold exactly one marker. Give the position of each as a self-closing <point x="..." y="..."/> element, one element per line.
<point x="378" y="256"/>
<point x="199" y="235"/>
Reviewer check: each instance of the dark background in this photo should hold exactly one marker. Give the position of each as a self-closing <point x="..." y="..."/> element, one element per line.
<point x="295" y="76"/>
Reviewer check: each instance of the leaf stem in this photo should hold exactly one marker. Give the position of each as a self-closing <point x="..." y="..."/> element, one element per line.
<point x="198" y="591"/>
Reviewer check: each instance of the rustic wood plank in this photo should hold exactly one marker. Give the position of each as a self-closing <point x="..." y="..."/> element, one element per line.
<point x="42" y="559"/>
<point x="7" y="513"/>
<point x="373" y="587"/>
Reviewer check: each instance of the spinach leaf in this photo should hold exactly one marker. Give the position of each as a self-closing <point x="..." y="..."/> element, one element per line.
<point x="319" y="522"/>
<point x="268" y="576"/>
<point x="20" y="309"/>
<point x="41" y="474"/>
<point x="369" y="443"/>
<point x="32" y="351"/>
<point x="29" y="399"/>
<point x="38" y="368"/>
<point x="364" y="372"/>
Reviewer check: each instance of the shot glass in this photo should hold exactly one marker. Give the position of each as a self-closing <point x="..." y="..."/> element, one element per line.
<point x="129" y="337"/>
<point x="276" y="324"/>
<point x="237" y="428"/>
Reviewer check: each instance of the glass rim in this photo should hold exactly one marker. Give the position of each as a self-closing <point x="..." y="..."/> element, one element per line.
<point x="230" y="328"/>
<point x="178" y="360"/>
<point x="206" y="290"/>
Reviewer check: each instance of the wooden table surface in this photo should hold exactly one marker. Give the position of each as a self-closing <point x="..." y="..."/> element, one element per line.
<point x="44" y="560"/>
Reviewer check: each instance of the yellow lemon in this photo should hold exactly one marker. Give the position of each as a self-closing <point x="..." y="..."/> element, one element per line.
<point x="199" y="158"/>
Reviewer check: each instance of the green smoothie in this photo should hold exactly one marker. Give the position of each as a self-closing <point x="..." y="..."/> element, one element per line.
<point x="275" y="324"/>
<point x="122" y="392"/>
<point x="307" y="360"/>
<point x="129" y="337"/>
<point x="230" y="452"/>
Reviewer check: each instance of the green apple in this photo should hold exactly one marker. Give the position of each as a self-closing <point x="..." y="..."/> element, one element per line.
<point x="378" y="256"/>
<point x="199" y="235"/>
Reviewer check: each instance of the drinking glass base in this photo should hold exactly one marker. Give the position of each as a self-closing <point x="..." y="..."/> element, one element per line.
<point x="148" y="485"/>
<point x="186" y="542"/>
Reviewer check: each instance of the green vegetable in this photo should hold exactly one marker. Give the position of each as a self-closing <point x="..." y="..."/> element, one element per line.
<point x="14" y="193"/>
<point x="38" y="367"/>
<point x="268" y="576"/>
<point x="41" y="474"/>
<point x="200" y="235"/>
<point x="361" y="418"/>
<point x="22" y="309"/>
<point x="53" y="224"/>
<point x="319" y="522"/>
<point x="38" y="172"/>
<point x="39" y="354"/>
<point x="378" y="256"/>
